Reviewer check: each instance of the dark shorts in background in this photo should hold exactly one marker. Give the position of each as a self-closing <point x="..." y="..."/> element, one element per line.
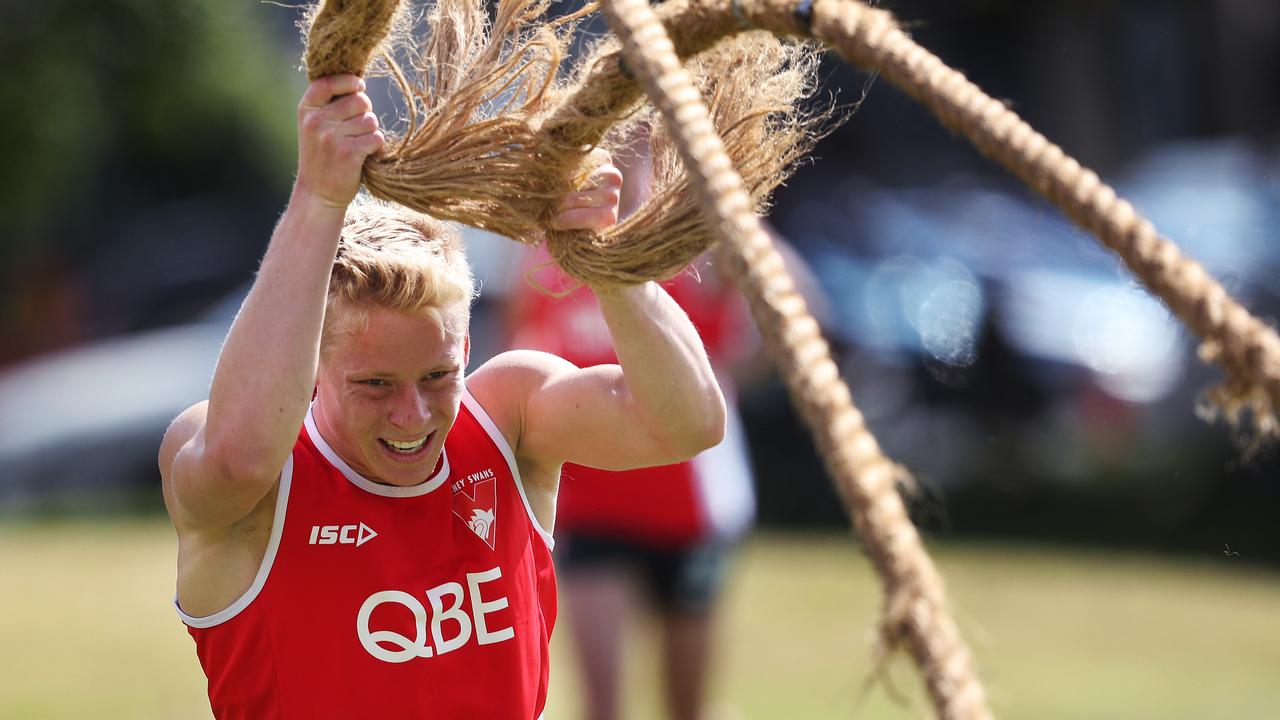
<point x="682" y="579"/>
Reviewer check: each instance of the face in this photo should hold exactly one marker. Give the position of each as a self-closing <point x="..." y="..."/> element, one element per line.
<point x="387" y="395"/>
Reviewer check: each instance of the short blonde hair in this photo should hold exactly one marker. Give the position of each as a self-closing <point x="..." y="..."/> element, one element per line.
<point x="395" y="258"/>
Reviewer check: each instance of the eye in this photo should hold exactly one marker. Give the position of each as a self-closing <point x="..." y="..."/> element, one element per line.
<point x="438" y="374"/>
<point x="375" y="382"/>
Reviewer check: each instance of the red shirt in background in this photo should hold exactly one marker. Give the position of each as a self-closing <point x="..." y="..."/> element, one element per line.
<point x="671" y="505"/>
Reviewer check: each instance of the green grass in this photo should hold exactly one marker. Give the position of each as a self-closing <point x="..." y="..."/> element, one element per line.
<point x="87" y="631"/>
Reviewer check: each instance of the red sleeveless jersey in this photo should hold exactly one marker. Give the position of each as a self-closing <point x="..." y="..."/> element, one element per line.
<point x="373" y="601"/>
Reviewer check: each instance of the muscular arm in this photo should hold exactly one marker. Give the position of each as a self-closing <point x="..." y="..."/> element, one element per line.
<point x="220" y="460"/>
<point x="667" y="384"/>
<point x="659" y="404"/>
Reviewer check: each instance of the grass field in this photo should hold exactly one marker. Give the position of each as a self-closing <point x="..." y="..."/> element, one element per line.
<point x="87" y="631"/>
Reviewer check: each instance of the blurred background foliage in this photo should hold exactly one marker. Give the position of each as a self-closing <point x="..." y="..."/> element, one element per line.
<point x="142" y="134"/>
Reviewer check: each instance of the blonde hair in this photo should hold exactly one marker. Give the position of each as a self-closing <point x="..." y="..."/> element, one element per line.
<point x="395" y="258"/>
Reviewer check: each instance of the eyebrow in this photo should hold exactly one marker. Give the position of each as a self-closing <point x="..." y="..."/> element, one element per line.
<point x="384" y="374"/>
<point x="367" y="374"/>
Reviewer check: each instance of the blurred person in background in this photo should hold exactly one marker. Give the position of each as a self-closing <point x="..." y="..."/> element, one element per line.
<point x="412" y="575"/>
<point x="654" y="539"/>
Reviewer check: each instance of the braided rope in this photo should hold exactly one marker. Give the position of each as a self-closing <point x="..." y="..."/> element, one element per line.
<point x="1248" y="348"/>
<point x="916" y="606"/>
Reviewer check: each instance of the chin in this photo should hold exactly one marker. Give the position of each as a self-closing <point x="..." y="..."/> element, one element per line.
<point x="408" y="475"/>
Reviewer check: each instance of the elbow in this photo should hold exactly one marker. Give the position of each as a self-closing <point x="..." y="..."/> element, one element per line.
<point x="713" y="429"/>
<point x="704" y="429"/>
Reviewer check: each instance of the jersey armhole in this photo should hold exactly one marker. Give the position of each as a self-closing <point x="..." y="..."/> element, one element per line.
<point x="268" y="559"/>
<point x="498" y="439"/>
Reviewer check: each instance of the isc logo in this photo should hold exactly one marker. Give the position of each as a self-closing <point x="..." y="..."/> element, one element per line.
<point x="341" y="534"/>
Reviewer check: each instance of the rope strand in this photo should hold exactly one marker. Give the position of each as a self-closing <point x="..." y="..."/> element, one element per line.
<point x="915" y="603"/>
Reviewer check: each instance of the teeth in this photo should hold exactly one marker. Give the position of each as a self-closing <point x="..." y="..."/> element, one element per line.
<point x="405" y="446"/>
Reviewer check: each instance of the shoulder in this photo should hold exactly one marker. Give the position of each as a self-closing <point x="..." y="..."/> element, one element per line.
<point x="504" y="385"/>
<point x="510" y="372"/>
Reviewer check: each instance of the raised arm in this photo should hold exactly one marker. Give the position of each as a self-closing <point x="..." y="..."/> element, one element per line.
<point x="659" y="404"/>
<point x="220" y="458"/>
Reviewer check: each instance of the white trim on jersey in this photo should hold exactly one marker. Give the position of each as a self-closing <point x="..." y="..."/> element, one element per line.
<point x="360" y="481"/>
<point x="724" y="483"/>
<point x="495" y="434"/>
<point x="268" y="559"/>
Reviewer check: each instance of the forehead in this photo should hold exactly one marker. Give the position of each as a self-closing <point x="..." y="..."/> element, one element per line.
<point x="394" y="341"/>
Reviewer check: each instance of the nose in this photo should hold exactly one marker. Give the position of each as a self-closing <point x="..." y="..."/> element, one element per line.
<point x="410" y="410"/>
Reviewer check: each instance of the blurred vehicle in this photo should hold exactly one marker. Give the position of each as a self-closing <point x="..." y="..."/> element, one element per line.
<point x="79" y="429"/>
<point x="1013" y="364"/>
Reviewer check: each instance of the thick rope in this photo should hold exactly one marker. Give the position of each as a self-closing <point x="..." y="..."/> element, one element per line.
<point x="1248" y="348"/>
<point x="916" y="605"/>
<point x="345" y="36"/>
<point x="478" y="149"/>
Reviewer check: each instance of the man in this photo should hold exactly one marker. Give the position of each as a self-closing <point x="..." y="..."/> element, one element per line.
<point x="361" y="533"/>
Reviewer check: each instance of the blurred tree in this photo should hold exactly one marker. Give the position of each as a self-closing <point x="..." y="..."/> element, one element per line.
<point x="115" y="108"/>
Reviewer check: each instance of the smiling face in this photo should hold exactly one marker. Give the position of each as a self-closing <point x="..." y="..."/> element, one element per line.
<point x="388" y="391"/>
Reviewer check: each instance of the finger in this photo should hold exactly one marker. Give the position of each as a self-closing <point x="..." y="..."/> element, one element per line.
<point x="361" y="125"/>
<point x="350" y="106"/>
<point x="370" y="143"/>
<point x="586" y="219"/>
<point x="593" y="198"/>
<point x="605" y="176"/>
<point x="598" y="156"/>
<point x="325" y="89"/>
<point x="583" y="199"/>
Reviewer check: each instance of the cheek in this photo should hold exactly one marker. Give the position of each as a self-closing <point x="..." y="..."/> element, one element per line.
<point x="359" y="410"/>
<point x="446" y="401"/>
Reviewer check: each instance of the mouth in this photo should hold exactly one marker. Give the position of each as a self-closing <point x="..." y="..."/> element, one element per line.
<point x="406" y="449"/>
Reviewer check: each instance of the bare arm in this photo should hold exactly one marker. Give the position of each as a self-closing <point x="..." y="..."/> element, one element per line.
<point x="220" y="461"/>
<point x="660" y="404"/>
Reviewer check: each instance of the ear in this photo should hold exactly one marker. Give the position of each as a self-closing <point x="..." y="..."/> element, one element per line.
<point x="466" y="351"/>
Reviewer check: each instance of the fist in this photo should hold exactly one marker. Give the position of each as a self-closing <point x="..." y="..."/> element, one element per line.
<point x="595" y="205"/>
<point x="337" y="130"/>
